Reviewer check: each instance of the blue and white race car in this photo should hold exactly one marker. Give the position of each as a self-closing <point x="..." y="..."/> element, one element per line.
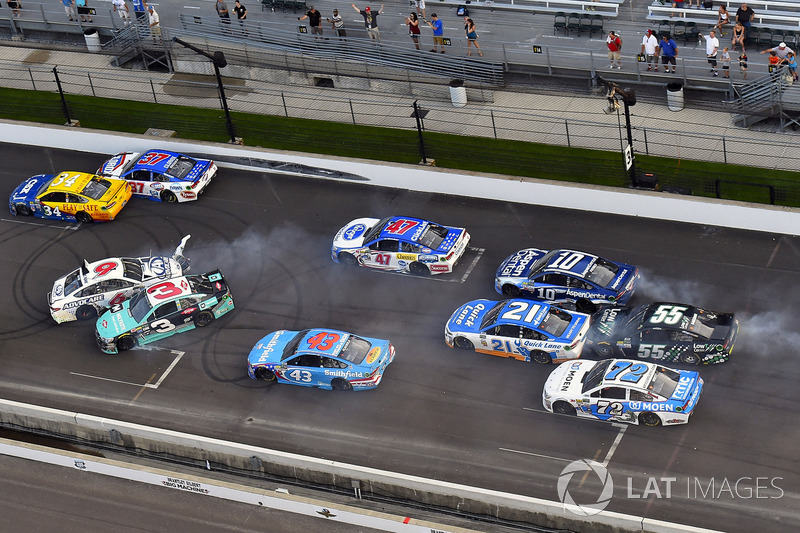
<point x="324" y="358"/>
<point x="522" y="329"/>
<point x="161" y="175"/>
<point x="616" y="390"/>
<point x="400" y="244"/>
<point x="566" y="276"/>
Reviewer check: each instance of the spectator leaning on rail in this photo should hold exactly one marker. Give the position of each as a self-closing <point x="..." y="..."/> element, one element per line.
<point x="782" y="51"/>
<point x="745" y="15"/>
<point x="370" y="21"/>
<point x="669" y="52"/>
<point x="649" y="47"/>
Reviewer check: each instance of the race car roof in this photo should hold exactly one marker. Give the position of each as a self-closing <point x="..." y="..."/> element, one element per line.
<point x="162" y="291"/>
<point x="522" y="313"/>
<point x="71" y="182"/>
<point x="327" y="342"/>
<point x="403" y="228"/>
<point x="575" y="263"/>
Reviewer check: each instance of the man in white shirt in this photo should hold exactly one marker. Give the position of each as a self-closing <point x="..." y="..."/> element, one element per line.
<point x="712" y="45"/>
<point x="649" y="45"/>
<point x="155" y="28"/>
<point x="122" y="8"/>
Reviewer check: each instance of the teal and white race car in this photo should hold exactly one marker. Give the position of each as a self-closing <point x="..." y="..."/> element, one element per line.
<point x="162" y="309"/>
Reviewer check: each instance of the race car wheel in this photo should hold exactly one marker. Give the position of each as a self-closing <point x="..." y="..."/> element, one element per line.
<point x="649" y="419"/>
<point x="341" y="384"/>
<point x="126" y="342"/>
<point x="203" y="318"/>
<point x="512" y="291"/>
<point x="463" y="343"/>
<point x="585" y="306"/>
<point x="603" y="350"/>
<point x="418" y="269"/>
<point x="169" y="197"/>
<point x="690" y="358"/>
<point x="85" y="312"/>
<point x="564" y="408"/>
<point x="265" y="374"/>
<point x="347" y="259"/>
<point x="84" y="217"/>
<point x="543" y="358"/>
<point x="23" y="210"/>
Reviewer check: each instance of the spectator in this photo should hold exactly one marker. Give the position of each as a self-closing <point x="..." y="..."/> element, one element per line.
<point x="712" y="46"/>
<point x="726" y="62"/>
<point x="614" y="44"/>
<point x="413" y="28"/>
<point x="241" y="15"/>
<point x="15" y="6"/>
<point x="791" y="61"/>
<point x="669" y="52"/>
<point x="314" y="20"/>
<point x="69" y="7"/>
<point x="745" y="15"/>
<point x="743" y="64"/>
<point x="420" y="5"/>
<point x="83" y="10"/>
<point x="649" y="46"/>
<point x="438" y="32"/>
<point x="124" y="12"/>
<point x="371" y="21"/>
<point x="140" y="10"/>
<point x="472" y="36"/>
<point x="222" y="11"/>
<point x="782" y="51"/>
<point x="155" y="26"/>
<point x="722" y="19"/>
<point x="338" y="24"/>
<point x="738" y="36"/>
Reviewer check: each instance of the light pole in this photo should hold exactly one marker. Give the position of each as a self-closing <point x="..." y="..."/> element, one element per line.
<point x="628" y="99"/>
<point x="219" y="61"/>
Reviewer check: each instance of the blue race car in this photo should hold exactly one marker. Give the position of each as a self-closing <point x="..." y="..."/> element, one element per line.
<point x="161" y="175"/>
<point x="323" y="358"/>
<point x="522" y="329"/>
<point x="400" y="244"/>
<point x="566" y="276"/>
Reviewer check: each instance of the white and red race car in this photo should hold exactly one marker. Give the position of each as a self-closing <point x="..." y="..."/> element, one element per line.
<point x="83" y="293"/>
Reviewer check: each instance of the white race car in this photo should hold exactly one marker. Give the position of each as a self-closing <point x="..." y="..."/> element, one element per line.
<point x="83" y="293"/>
<point x="618" y="390"/>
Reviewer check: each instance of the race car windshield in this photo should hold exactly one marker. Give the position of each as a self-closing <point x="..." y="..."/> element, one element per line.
<point x="595" y="375"/>
<point x="291" y="346"/>
<point x="376" y="230"/>
<point x="355" y="349"/>
<point x="181" y="167"/>
<point x="433" y="236"/>
<point x="491" y="315"/>
<point x="602" y="272"/>
<point x="541" y="263"/>
<point x="556" y="322"/>
<point x="139" y="306"/>
<point x="132" y="269"/>
<point x="72" y="282"/>
<point x="96" y="188"/>
<point x="664" y="382"/>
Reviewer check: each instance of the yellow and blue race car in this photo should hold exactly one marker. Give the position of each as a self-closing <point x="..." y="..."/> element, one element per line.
<point x="73" y="196"/>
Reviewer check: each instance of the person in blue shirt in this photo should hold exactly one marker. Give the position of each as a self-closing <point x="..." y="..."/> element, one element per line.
<point x="69" y="7"/>
<point x="438" y="32"/>
<point x="669" y="52"/>
<point x="140" y="9"/>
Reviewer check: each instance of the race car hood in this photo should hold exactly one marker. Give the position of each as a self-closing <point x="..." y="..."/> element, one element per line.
<point x="519" y="264"/>
<point x="115" y="166"/>
<point x="468" y="317"/>
<point x="270" y="348"/>
<point x="352" y="235"/>
<point x="113" y="323"/>
<point x="567" y="378"/>
<point x="29" y="188"/>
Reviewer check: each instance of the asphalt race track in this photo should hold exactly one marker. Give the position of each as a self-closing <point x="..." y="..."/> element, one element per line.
<point x="439" y="413"/>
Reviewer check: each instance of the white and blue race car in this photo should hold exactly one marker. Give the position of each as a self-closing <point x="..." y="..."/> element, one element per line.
<point x="616" y="390"/>
<point x="566" y="276"/>
<point x="400" y="244"/>
<point x="520" y="329"/>
<point x="161" y="175"/>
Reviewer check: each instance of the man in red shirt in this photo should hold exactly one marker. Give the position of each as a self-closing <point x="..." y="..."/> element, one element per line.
<point x="614" y="44"/>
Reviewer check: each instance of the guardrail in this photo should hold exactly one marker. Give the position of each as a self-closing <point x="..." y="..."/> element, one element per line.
<point x="604" y="8"/>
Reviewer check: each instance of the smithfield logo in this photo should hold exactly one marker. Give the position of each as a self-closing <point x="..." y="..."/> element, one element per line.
<point x="354" y="231"/>
<point x="585" y="509"/>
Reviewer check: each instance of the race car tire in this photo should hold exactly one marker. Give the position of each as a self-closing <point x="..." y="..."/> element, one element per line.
<point x="511" y="290"/>
<point x="23" y="210"/>
<point x="584" y="305"/>
<point x="603" y="350"/>
<point x="649" y="419"/>
<point x="463" y="343"/>
<point x="83" y="216"/>
<point x="85" y="312"/>
<point x="418" y="269"/>
<point x="203" y="318"/>
<point x="265" y="374"/>
<point x="690" y="358"/>
<point x="341" y="384"/>
<point x="348" y="259"/>
<point x="564" y="408"/>
<point x="126" y="342"/>
<point x="543" y="358"/>
<point x="169" y="197"/>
